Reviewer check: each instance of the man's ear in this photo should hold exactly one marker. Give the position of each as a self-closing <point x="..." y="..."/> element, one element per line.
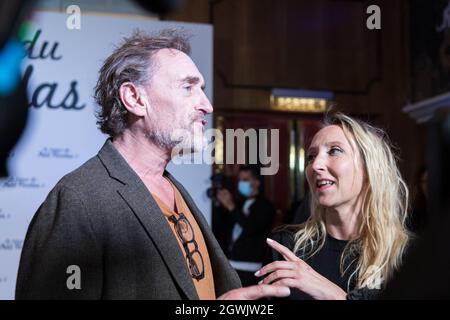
<point x="133" y="99"/>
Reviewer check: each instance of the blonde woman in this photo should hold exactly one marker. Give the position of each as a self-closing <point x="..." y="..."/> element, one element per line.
<point x="355" y="237"/>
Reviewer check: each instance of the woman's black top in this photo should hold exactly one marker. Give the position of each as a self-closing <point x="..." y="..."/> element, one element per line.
<point x="327" y="263"/>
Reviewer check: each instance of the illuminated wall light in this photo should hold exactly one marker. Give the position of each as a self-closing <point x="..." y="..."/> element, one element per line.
<point x="300" y="100"/>
<point x="301" y="160"/>
<point x="218" y="144"/>
<point x="292" y="157"/>
<point x="299" y="104"/>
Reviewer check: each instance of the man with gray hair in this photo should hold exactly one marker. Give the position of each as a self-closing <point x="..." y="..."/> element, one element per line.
<point x="120" y="226"/>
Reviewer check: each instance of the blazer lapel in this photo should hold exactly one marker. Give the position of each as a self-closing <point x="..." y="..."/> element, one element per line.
<point x="225" y="277"/>
<point x="139" y="199"/>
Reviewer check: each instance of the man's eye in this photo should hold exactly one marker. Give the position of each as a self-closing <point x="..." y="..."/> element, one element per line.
<point x="188" y="88"/>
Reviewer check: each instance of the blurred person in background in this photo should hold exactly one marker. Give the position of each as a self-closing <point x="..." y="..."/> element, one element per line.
<point x="418" y="219"/>
<point x="251" y="217"/>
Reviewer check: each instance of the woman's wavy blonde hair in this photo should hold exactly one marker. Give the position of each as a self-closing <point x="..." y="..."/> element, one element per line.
<point x="379" y="248"/>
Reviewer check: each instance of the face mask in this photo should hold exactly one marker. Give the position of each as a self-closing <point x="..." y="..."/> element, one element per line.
<point x="245" y="188"/>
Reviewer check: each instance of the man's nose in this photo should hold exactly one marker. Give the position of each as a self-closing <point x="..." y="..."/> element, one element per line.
<point x="204" y="104"/>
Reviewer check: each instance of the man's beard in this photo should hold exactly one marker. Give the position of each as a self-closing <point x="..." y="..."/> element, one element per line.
<point x="186" y="138"/>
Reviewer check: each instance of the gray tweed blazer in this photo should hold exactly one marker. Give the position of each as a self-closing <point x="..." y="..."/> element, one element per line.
<point x="102" y="219"/>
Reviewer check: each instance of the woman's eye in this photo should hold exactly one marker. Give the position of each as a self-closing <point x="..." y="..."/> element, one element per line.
<point x="309" y="158"/>
<point x="334" y="151"/>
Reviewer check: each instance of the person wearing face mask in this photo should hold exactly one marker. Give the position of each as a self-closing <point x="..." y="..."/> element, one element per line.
<point x="252" y="216"/>
<point x="355" y="237"/>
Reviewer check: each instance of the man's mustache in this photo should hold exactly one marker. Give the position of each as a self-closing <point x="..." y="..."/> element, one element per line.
<point x="197" y="117"/>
